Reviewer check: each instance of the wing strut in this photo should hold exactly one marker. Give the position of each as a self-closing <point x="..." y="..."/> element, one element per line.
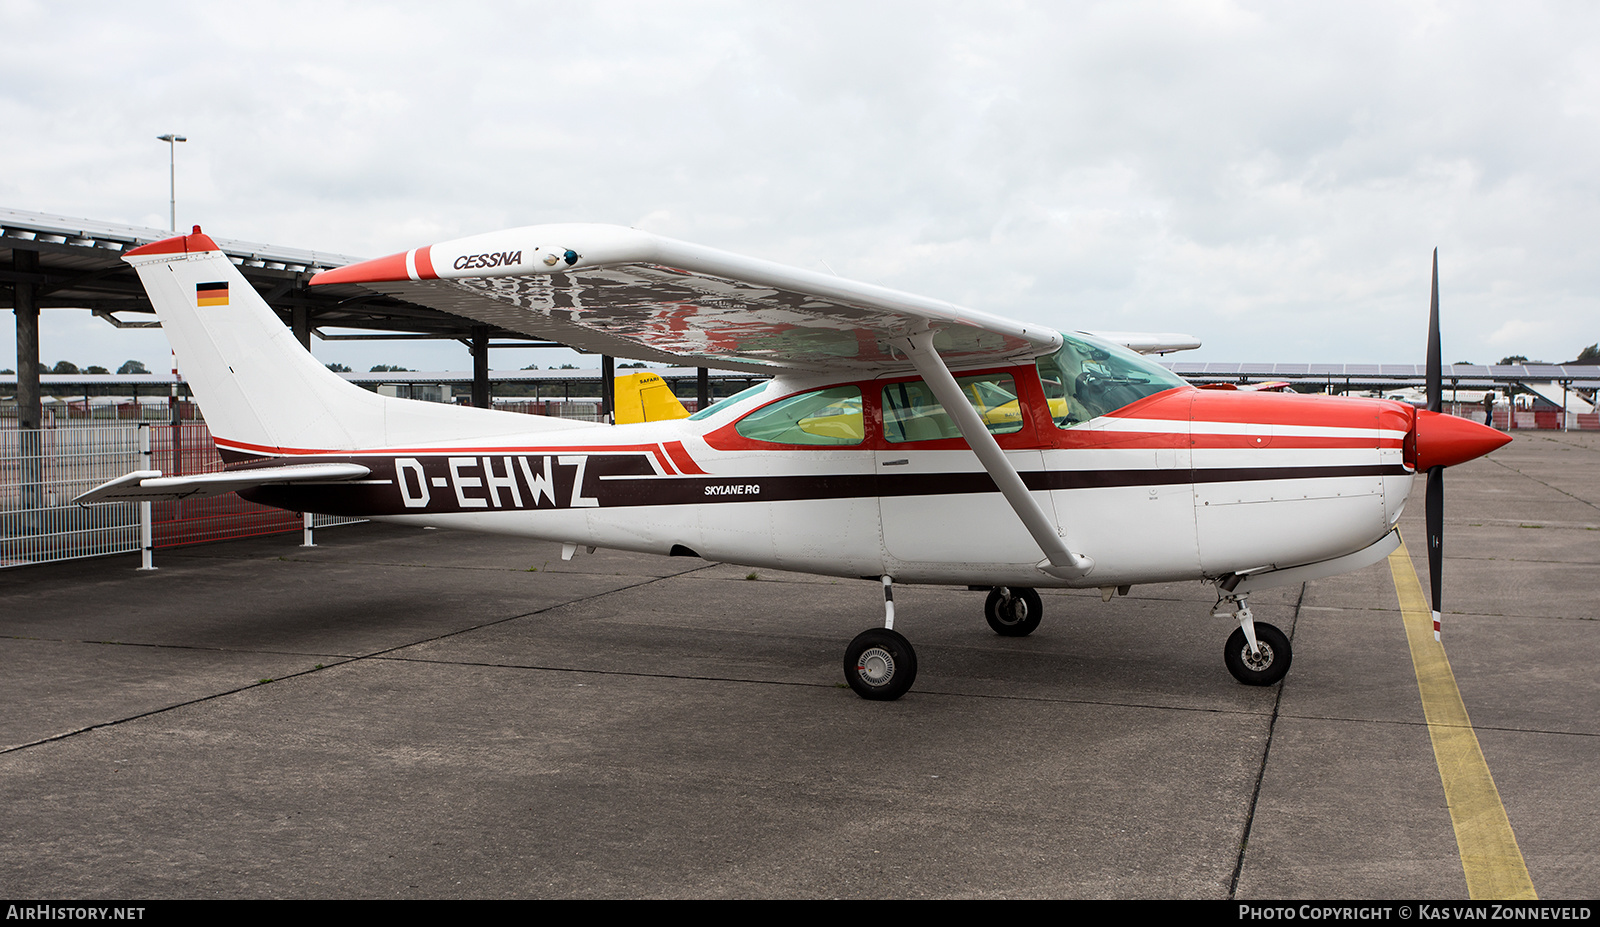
<point x="1059" y="560"/>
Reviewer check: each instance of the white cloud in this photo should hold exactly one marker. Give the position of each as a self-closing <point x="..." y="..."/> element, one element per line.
<point x="1269" y="177"/>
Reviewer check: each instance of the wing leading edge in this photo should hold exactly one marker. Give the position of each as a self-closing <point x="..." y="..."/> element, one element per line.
<point x="628" y="293"/>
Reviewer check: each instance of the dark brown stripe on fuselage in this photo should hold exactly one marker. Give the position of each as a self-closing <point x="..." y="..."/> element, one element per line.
<point x="495" y="482"/>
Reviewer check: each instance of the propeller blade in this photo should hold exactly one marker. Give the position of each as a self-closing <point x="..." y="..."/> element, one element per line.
<point x="1435" y="498"/>
<point x="1435" y="369"/>
<point x="1435" y="517"/>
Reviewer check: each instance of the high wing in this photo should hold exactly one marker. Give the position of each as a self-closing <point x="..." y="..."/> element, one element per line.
<point x="627" y="293"/>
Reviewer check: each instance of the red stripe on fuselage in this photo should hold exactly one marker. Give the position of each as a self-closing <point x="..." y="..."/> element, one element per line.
<point x="1288" y="409"/>
<point x="1088" y="440"/>
<point x="1179" y="419"/>
<point x="680" y="456"/>
<point x="653" y="450"/>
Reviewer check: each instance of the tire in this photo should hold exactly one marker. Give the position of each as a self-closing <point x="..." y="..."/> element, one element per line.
<point x="1262" y="669"/>
<point x="880" y="665"/>
<point x="1017" y="618"/>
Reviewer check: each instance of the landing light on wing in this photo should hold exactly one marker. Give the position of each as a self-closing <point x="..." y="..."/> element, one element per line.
<point x="1150" y="342"/>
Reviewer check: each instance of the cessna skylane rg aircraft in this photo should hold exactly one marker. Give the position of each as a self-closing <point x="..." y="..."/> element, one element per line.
<point x="899" y="439"/>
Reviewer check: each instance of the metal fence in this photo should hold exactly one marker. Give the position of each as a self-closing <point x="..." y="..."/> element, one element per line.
<point x="42" y="470"/>
<point x="62" y="413"/>
<point x="587" y="410"/>
<point x="86" y="442"/>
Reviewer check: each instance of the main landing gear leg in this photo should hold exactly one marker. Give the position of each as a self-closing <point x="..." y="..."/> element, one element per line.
<point x="1257" y="654"/>
<point x="880" y="664"/>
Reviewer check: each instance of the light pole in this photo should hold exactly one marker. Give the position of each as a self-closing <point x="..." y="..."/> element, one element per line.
<point x="172" y="185"/>
<point x="172" y="172"/>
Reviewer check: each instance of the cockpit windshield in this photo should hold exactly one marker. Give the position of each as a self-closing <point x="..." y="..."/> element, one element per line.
<point x="1088" y="378"/>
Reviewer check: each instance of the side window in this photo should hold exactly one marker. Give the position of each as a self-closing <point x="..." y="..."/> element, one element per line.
<point x="820" y="417"/>
<point x="910" y="413"/>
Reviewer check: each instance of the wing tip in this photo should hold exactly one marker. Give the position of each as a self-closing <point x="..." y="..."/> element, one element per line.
<point x="378" y="270"/>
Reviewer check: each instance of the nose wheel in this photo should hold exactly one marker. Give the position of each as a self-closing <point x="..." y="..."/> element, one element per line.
<point x="880" y="664"/>
<point x="1266" y="664"/>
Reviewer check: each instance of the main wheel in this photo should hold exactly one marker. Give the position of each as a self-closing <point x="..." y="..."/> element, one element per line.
<point x="880" y="665"/>
<point x="1018" y="617"/>
<point x="1263" y="668"/>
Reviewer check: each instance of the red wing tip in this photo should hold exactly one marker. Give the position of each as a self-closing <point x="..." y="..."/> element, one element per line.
<point x="377" y="270"/>
<point x="196" y="242"/>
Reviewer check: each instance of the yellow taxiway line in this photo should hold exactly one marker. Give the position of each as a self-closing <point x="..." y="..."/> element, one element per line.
<point x="1489" y="853"/>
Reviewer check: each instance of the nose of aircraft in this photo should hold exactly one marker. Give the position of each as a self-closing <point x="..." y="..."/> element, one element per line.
<point x="1446" y="440"/>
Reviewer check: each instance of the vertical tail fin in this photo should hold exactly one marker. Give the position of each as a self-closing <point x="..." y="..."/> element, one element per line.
<point x="645" y="397"/>
<point x="259" y="389"/>
<point x="256" y="385"/>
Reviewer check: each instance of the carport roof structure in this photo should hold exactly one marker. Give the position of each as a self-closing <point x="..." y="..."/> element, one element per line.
<point x="77" y="264"/>
<point x="1387" y="376"/>
<point x="49" y="261"/>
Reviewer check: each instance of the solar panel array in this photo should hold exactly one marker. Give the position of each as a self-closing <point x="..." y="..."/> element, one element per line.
<point x="1461" y="374"/>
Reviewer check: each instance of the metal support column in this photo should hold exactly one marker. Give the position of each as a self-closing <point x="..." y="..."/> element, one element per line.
<point x="702" y="388"/>
<point x="480" y="366"/>
<point x="30" y="411"/>
<point x="300" y="317"/>
<point x="176" y="408"/>
<point x="146" y="529"/>
<point x="608" y="387"/>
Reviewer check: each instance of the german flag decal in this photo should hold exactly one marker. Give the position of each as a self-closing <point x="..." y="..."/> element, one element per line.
<point x="211" y="294"/>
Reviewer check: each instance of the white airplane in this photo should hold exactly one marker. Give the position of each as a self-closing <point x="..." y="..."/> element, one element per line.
<point x="899" y="439"/>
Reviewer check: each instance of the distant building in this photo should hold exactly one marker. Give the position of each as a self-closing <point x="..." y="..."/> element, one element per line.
<point x="427" y="392"/>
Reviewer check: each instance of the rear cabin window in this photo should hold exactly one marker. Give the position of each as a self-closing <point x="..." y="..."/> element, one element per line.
<point x="729" y="402"/>
<point x="911" y="413"/>
<point x="825" y="417"/>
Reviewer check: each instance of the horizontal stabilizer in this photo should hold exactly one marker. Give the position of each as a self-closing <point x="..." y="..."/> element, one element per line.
<point x="151" y="486"/>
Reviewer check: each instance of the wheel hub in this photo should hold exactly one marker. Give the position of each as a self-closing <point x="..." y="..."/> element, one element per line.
<point x="876" y="666"/>
<point x="1258" y="662"/>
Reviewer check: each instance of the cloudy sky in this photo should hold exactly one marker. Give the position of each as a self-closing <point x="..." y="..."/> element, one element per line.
<point x="1271" y="177"/>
